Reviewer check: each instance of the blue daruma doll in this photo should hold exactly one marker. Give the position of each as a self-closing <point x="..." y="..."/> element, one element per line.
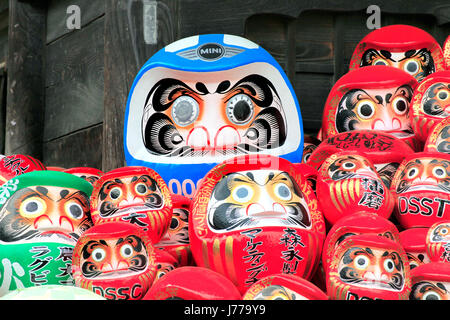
<point x="204" y="99"/>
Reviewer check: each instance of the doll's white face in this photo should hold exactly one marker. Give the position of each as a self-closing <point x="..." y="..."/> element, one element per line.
<point x="257" y="198"/>
<point x="204" y="117"/>
<point x="372" y="268"/>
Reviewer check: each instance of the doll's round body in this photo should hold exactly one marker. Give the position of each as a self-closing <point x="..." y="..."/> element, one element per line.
<point x="369" y="267"/>
<point x="256" y="216"/>
<point x="349" y="183"/>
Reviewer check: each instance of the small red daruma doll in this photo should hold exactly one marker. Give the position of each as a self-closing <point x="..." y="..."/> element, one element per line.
<point x="407" y="48"/>
<point x="438" y="242"/>
<point x="369" y="267"/>
<point x="431" y="281"/>
<point x="176" y="240"/>
<point x="137" y="195"/>
<point x="284" y="287"/>
<point x="371" y="98"/>
<point x="413" y="240"/>
<point x="421" y="186"/>
<point x="87" y="173"/>
<point x="254" y="216"/>
<point x="115" y="260"/>
<point x="430" y="103"/>
<point x="355" y="224"/>
<point x="193" y="283"/>
<point x="349" y="183"/>
<point x="439" y="138"/>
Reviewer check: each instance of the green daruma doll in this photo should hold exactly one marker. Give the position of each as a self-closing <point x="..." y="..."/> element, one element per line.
<point x="42" y="215"/>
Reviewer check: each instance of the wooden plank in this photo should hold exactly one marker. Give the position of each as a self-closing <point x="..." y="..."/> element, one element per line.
<point x="25" y="102"/>
<point x="74" y="81"/>
<point x="125" y="53"/>
<point x="82" y="148"/>
<point x="57" y="15"/>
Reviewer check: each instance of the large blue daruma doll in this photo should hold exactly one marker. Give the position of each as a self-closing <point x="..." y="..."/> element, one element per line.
<point x="206" y="98"/>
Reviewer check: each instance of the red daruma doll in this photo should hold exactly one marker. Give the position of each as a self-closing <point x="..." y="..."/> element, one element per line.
<point x="422" y="189"/>
<point x="348" y="183"/>
<point x="407" y="48"/>
<point x="355" y="224"/>
<point x="369" y="267"/>
<point x="371" y="98"/>
<point x="254" y="216"/>
<point x="430" y="103"/>
<point x="115" y="260"/>
<point x="438" y="242"/>
<point x="137" y="195"/>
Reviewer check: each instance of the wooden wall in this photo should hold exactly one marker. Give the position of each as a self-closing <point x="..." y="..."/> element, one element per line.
<point x="72" y="133"/>
<point x="85" y="75"/>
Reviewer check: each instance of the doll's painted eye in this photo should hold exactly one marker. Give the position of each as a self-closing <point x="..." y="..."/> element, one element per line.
<point x="32" y="207"/>
<point x="361" y="262"/>
<point x="115" y="193"/>
<point x="283" y="192"/>
<point x="439" y="172"/>
<point x="141" y="189"/>
<point x="400" y="105"/>
<point x="431" y="295"/>
<point x="412" y="173"/>
<point x="412" y="67"/>
<point x="348" y="165"/>
<point x="388" y="265"/>
<point x="380" y="62"/>
<point x="240" y="109"/>
<point x="98" y="254"/>
<point x="242" y="194"/>
<point x="365" y="109"/>
<point x="126" y="251"/>
<point x="74" y="210"/>
<point x="443" y="231"/>
<point x="185" y="111"/>
<point x="174" y="223"/>
<point x="442" y="94"/>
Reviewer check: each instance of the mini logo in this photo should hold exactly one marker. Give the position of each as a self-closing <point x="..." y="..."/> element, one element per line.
<point x="210" y="51"/>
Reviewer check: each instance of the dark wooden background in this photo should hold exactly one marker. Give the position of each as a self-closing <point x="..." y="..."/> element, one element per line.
<point x="64" y="91"/>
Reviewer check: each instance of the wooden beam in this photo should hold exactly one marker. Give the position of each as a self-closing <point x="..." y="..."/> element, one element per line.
<point x="128" y="45"/>
<point x="25" y="98"/>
